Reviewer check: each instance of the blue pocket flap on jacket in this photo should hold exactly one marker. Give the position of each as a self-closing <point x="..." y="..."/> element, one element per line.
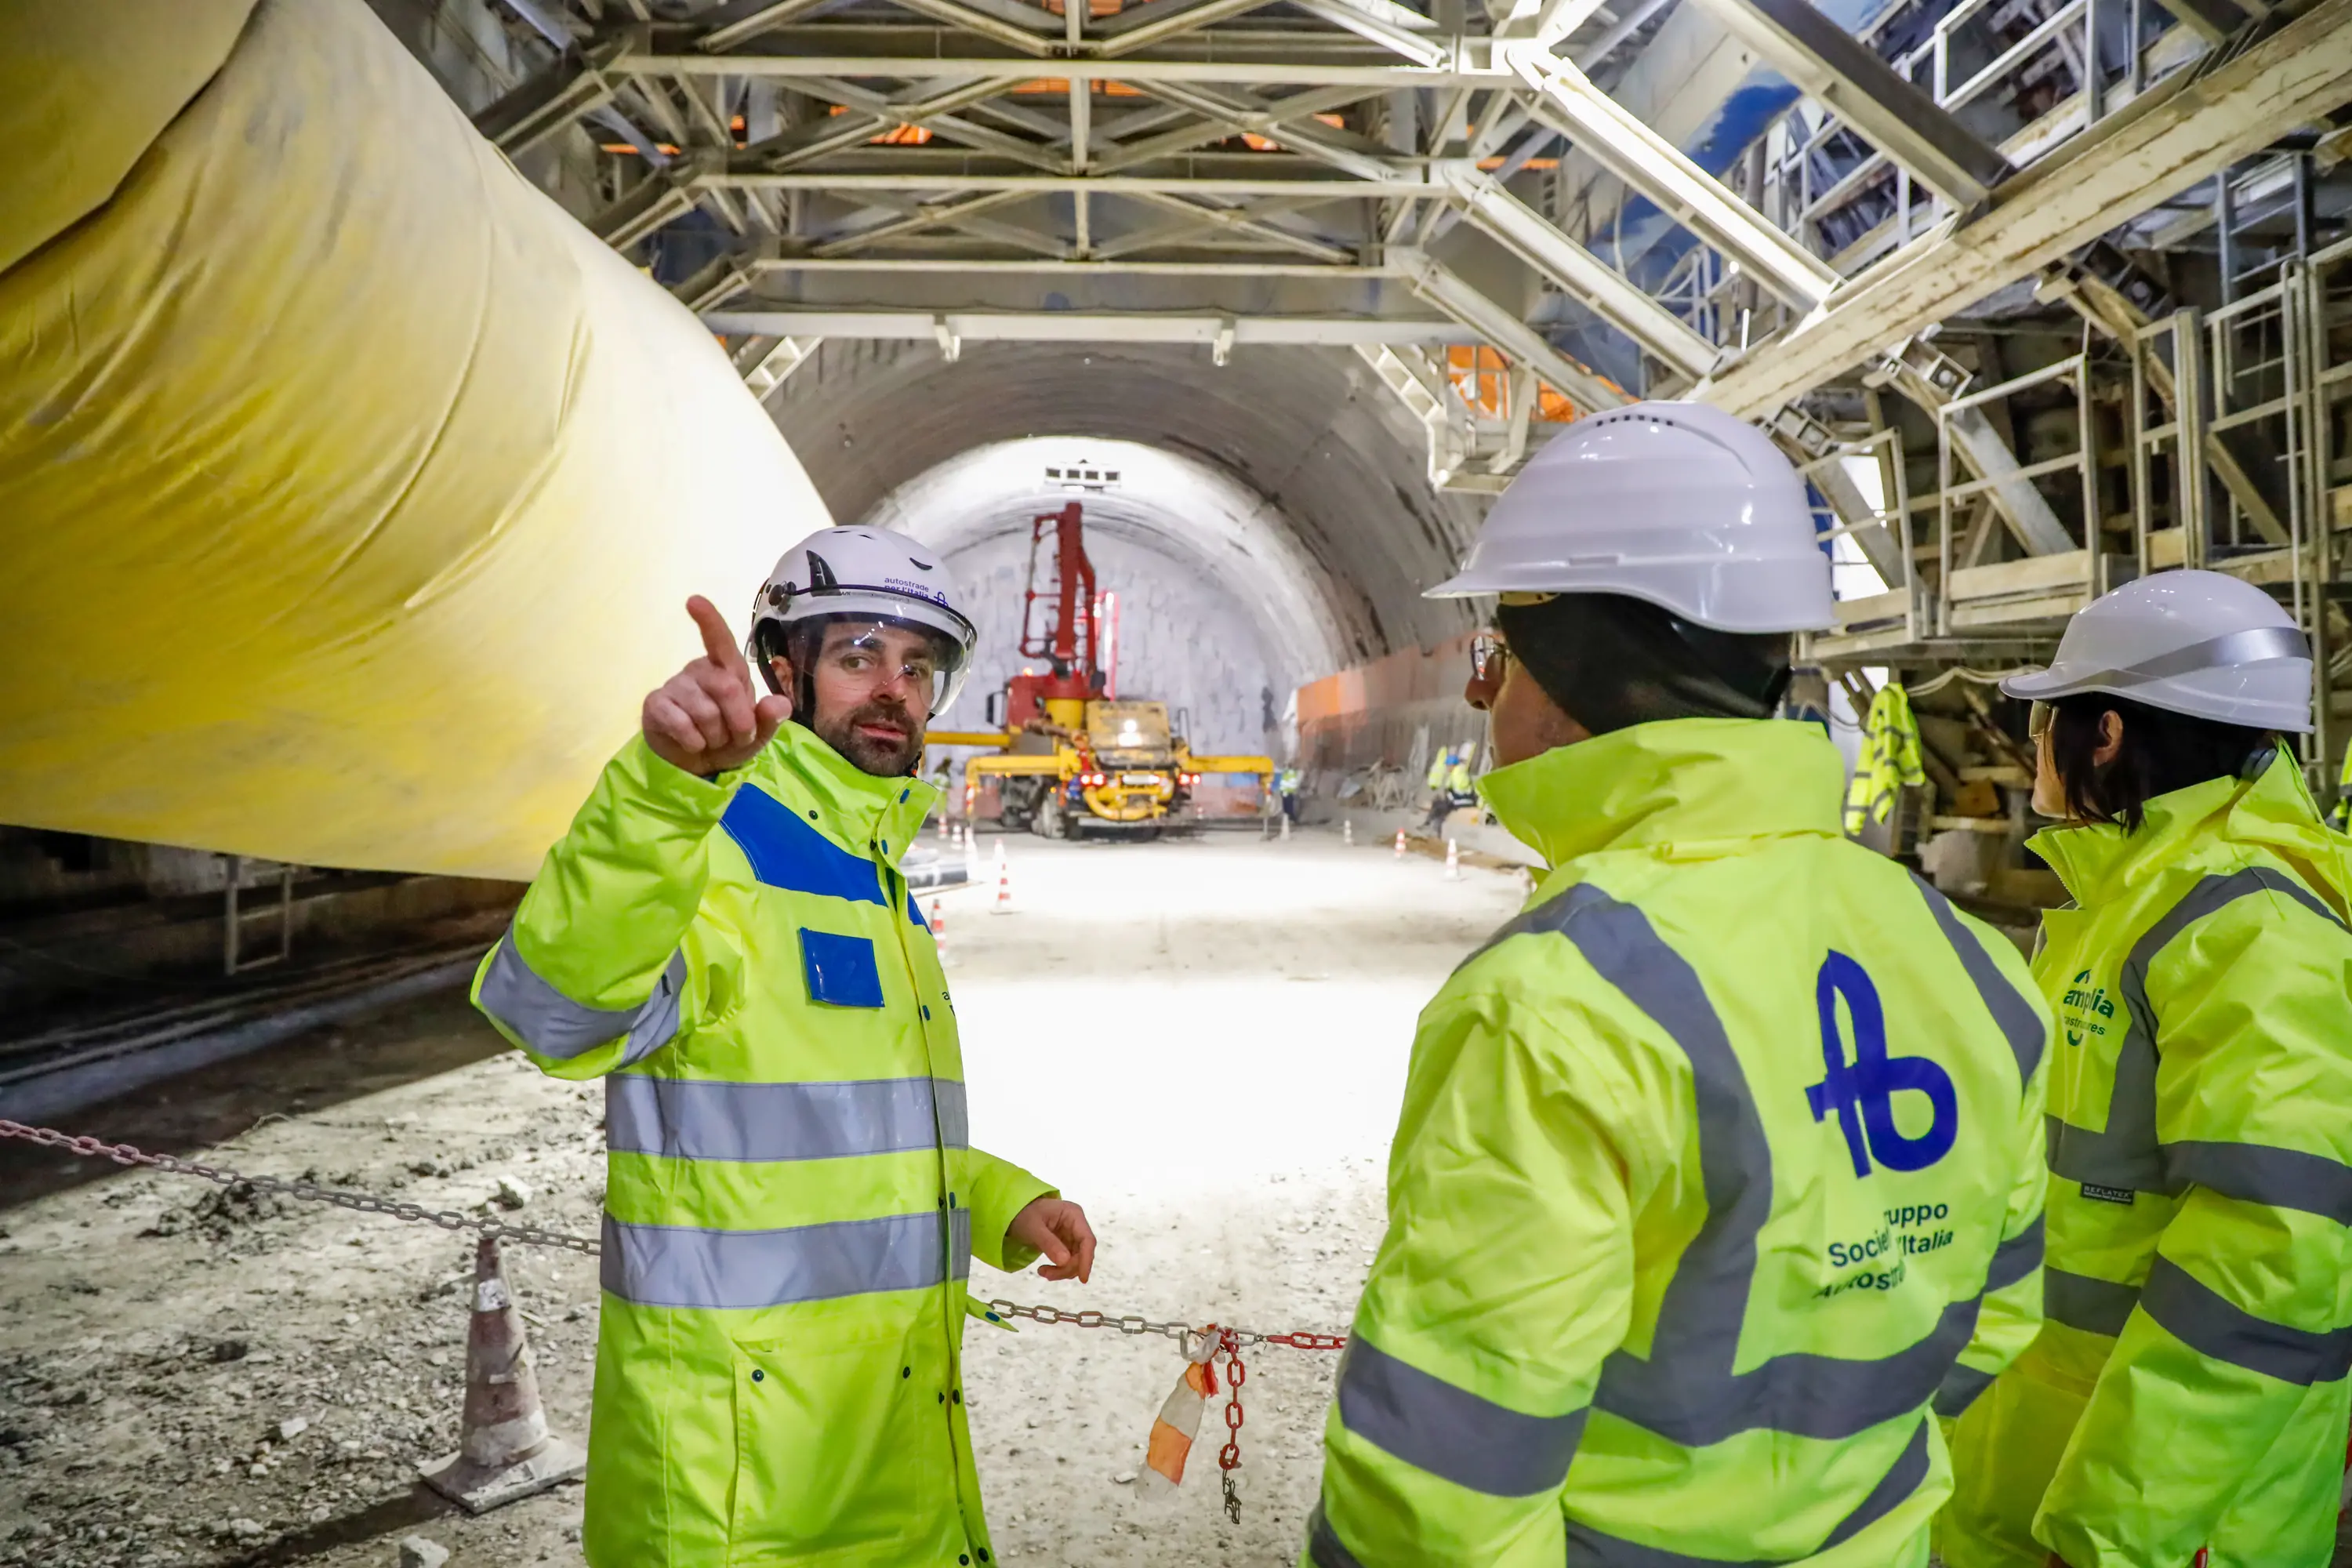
<point x="841" y="969"/>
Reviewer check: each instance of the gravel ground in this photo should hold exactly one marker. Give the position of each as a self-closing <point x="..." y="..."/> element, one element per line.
<point x="1204" y="1042"/>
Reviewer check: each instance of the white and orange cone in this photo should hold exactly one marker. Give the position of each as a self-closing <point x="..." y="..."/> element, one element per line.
<point x="1003" y="905"/>
<point x="1347" y="832"/>
<point x="1453" y="861"/>
<point x="1400" y="849"/>
<point x="939" y="932"/>
<point x="505" y="1451"/>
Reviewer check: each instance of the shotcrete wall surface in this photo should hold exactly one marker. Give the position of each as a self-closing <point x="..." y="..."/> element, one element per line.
<point x="351" y="490"/>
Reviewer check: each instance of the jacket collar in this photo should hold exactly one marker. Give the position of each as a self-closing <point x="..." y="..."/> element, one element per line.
<point x="2274" y="809"/>
<point x="865" y="815"/>
<point x="1701" y="786"/>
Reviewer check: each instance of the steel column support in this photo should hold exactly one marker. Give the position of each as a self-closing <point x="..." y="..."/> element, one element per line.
<point x="1529" y="235"/>
<point x="1566" y="100"/>
<point x="1442" y="287"/>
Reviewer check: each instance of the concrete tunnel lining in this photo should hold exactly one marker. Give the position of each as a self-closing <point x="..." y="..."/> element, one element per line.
<point x="1339" y="465"/>
<point x="1193" y="517"/>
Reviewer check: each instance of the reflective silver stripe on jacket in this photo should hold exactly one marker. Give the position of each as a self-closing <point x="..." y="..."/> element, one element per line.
<point x="686" y="1119"/>
<point x="1450" y="1432"/>
<point x="2093" y="1306"/>
<point x="2125" y="1154"/>
<point x="2015" y="1259"/>
<point x="2028" y="1037"/>
<point x="722" y="1270"/>
<point x="553" y="1025"/>
<point x="2258" y="1174"/>
<point x="1323" y="1547"/>
<point x="1592" y="1548"/>
<point x="1961" y="1386"/>
<point x="2209" y="1324"/>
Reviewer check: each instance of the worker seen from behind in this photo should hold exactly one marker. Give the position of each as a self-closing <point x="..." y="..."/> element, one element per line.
<point x="791" y="1198"/>
<point x="2188" y="1390"/>
<point x="1720" y="1169"/>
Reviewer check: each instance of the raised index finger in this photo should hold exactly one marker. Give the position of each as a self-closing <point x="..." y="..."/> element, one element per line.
<point x="717" y="641"/>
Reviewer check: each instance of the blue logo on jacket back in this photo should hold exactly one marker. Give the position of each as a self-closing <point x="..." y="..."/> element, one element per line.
<point x="1862" y="1094"/>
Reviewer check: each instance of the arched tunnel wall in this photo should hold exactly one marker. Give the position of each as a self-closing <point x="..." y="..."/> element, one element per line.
<point x="1313" y="431"/>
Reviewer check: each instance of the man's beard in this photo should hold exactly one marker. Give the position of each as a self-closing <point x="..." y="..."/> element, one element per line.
<point x="871" y="753"/>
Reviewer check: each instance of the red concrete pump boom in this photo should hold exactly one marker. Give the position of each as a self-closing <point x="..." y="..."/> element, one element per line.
<point x="1071" y="675"/>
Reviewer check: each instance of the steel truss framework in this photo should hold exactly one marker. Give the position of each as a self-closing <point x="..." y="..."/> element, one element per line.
<point x="1401" y="176"/>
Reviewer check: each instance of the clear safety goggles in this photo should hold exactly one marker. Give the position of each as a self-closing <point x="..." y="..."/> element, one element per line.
<point x="1489" y="657"/>
<point x="2037" y="719"/>
<point x="882" y="655"/>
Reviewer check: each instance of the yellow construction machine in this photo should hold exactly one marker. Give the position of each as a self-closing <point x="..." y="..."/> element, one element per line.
<point x="1071" y="756"/>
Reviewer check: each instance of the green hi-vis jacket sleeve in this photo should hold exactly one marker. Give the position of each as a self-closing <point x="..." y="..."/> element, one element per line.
<point x="1494" y="1143"/>
<point x="2012" y="1314"/>
<point x="2242" y="1332"/>
<point x="604" y="922"/>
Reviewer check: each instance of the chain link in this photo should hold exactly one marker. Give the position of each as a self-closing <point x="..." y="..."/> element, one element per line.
<point x="91" y="1147"/>
<point x="1230" y="1341"/>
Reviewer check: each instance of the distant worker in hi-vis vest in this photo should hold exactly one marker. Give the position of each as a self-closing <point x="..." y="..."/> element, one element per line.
<point x="1719" y="1171"/>
<point x="793" y="1201"/>
<point x="2188" y="1389"/>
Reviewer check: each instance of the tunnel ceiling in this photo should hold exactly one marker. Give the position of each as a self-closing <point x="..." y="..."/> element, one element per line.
<point x="1336" y="460"/>
<point x="998" y="219"/>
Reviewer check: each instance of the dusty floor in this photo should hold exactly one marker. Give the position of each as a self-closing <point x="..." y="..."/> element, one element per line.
<point x="1202" y="1042"/>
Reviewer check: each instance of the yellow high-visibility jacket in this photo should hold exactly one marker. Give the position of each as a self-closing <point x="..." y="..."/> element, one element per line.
<point x="2188" y="1389"/>
<point x="1719" y="1167"/>
<point x="792" y="1200"/>
<point x="1889" y="759"/>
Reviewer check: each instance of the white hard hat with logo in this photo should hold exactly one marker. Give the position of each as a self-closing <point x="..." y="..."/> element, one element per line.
<point x="874" y="576"/>
<point x="2199" y="643"/>
<point x="1680" y="504"/>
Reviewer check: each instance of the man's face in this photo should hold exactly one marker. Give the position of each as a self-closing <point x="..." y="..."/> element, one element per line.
<point x="873" y="686"/>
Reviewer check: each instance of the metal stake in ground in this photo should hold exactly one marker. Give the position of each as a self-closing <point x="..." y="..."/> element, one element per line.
<point x="505" y="1451"/>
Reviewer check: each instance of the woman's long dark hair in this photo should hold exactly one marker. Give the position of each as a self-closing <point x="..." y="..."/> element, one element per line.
<point x="2160" y="753"/>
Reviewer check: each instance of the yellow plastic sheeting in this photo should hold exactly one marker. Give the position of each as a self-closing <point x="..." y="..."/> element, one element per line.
<point x="350" y="490"/>
<point x="143" y="59"/>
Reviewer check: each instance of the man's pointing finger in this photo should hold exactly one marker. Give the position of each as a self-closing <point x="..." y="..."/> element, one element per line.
<point x="717" y="641"/>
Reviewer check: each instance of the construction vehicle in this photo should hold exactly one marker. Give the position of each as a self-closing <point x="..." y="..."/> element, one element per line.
<point x="1070" y="755"/>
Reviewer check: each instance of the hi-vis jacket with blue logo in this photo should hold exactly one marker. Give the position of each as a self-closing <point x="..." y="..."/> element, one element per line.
<point x="2190" y="1388"/>
<point x="792" y="1200"/>
<point x="1720" y="1169"/>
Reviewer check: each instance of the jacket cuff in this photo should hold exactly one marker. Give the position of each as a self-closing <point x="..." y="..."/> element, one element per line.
<point x="999" y="1191"/>
<point x="677" y="796"/>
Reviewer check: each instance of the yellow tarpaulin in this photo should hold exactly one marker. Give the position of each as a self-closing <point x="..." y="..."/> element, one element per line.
<point x="350" y="490"/>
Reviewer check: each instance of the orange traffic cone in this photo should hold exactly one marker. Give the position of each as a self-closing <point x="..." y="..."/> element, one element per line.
<point x="1003" y="882"/>
<point x="505" y="1452"/>
<point x="1453" y="861"/>
<point x="940" y="932"/>
<point x="1400" y="850"/>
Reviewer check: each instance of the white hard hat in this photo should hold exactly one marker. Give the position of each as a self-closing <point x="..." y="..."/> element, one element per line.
<point x="1680" y="504"/>
<point x="2198" y="643"/>
<point x="846" y="574"/>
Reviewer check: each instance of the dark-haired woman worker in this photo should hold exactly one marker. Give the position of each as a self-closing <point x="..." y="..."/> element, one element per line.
<point x="2188" y="1389"/>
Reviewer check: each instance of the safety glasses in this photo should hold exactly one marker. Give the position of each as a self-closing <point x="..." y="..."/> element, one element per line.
<point x="1489" y="657"/>
<point x="2037" y="719"/>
